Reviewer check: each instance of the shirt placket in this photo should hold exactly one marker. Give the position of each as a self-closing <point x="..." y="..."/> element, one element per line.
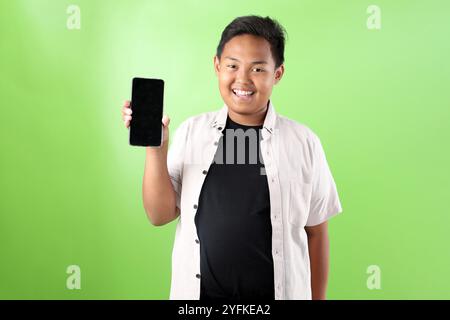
<point x="271" y="172"/>
<point x="203" y="171"/>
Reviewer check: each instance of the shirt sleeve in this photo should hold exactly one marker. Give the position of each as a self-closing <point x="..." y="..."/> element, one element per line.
<point x="325" y="201"/>
<point x="175" y="159"/>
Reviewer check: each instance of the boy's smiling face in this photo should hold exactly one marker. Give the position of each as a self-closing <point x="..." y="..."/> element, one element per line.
<point x="247" y="74"/>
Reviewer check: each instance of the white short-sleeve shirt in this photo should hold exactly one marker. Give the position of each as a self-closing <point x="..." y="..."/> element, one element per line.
<point x="301" y="188"/>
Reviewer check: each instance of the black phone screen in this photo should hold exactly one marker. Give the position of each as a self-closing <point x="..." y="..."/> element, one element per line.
<point x="147" y="106"/>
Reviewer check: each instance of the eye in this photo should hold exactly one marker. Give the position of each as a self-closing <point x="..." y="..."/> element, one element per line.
<point x="258" y="69"/>
<point x="232" y="66"/>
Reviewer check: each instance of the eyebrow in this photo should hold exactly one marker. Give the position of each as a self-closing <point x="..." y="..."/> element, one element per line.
<point x="254" y="62"/>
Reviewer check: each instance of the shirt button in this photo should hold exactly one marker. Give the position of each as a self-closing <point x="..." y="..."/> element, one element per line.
<point x="196" y="241"/>
<point x="216" y="143"/>
<point x="195" y="206"/>
<point x="198" y="276"/>
<point x="205" y="172"/>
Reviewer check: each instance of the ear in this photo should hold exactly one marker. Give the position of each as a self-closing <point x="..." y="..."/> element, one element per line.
<point x="216" y="64"/>
<point x="279" y="72"/>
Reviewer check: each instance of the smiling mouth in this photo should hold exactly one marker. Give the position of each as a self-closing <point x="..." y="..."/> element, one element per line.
<point x="242" y="93"/>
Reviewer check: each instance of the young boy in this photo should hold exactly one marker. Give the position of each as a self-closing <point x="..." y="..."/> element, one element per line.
<point x="251" y="189"/>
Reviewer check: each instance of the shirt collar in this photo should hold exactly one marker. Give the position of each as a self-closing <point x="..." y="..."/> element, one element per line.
<point x="269" y="121"/>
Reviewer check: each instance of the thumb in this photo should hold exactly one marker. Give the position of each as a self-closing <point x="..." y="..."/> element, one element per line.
<point x="165" y="120"/>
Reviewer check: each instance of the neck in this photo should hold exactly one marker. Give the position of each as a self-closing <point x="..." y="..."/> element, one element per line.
<point x="254" y="119"/>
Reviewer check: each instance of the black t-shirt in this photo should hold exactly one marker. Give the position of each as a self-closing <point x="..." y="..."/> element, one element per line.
<point x="233" y="222"/>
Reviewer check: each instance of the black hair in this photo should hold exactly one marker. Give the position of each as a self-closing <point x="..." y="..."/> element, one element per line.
<point x="266" y="28"/>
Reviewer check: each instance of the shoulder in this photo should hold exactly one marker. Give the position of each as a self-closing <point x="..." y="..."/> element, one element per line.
<point x="203" y="118"/>
<point x="295" y="129"/>
<point x="300" y="137"/>
<point x="197" y="123"/>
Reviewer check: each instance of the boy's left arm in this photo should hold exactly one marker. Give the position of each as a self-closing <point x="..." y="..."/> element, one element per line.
<point x="318" y="244"/>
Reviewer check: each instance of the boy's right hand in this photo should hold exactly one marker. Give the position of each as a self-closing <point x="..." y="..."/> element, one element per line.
<point x="126" y="117"/>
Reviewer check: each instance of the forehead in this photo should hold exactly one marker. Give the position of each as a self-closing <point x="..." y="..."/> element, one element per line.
<point x="248" y="47"/>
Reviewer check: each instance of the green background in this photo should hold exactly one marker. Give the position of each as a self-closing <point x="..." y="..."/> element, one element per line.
<point x="71" y="185"/>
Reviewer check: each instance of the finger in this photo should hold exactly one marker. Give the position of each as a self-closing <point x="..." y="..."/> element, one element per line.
<point x="165" y="120"/>
<point x="126" y="123"/>
<point x="127" y="118"/>
<point x="127" y="103"/>
<point x="126" y="111"/>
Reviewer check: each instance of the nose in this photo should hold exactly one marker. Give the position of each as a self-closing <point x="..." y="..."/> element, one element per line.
<point x="242" y="76"/>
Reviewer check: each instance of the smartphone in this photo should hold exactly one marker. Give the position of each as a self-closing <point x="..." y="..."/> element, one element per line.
<point x="146" y="127"/>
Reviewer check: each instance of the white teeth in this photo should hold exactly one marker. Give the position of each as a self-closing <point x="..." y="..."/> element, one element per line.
<point x="243" y="93"/>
